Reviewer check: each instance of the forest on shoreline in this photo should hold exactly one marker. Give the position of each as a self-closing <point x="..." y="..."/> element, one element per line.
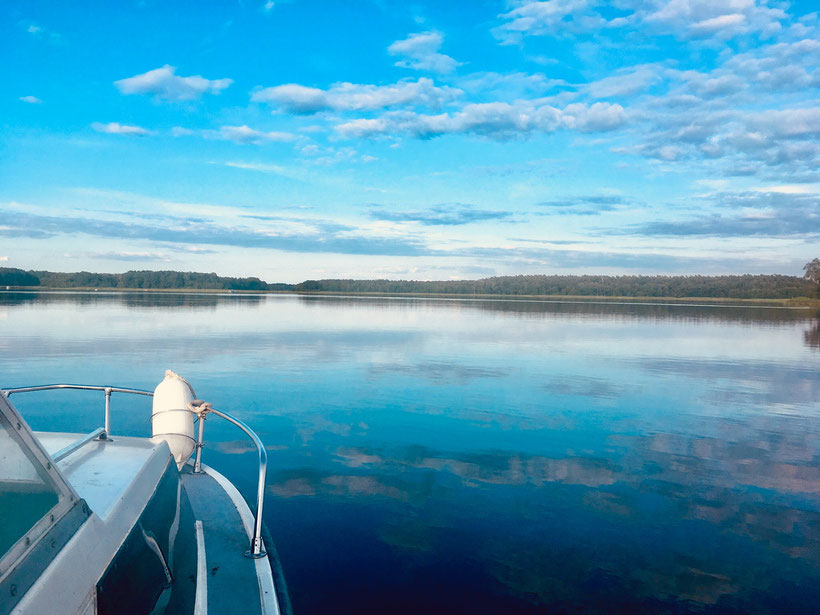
<point x="724" y="287"/>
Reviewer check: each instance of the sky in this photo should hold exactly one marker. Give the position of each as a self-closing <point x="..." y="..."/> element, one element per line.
<point x="410" y="140"/>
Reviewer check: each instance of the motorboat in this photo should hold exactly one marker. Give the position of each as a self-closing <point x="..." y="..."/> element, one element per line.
<point x="99" y="523"/>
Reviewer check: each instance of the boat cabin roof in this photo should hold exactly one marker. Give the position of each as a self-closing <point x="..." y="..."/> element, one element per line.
<point x="102" y="471"/>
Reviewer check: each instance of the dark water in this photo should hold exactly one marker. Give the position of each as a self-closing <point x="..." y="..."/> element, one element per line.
<point x="438" y="456"/>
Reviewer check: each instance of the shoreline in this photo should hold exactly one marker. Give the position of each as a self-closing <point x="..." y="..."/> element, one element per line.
<point x="792" y="303"/>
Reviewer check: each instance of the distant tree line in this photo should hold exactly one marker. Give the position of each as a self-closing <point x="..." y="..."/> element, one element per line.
<point x="728" y="286"/>
<point x="129" y="279"/>
<point x="17" y="277"/>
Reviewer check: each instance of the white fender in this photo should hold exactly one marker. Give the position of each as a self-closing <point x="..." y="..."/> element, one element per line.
<point x="171" y="419"/>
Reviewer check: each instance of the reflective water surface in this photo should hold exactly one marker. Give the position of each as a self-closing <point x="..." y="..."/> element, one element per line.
<point x="456" y="456"/>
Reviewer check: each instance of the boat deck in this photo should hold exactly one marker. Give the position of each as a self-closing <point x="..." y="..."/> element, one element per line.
<point x="103" y="470"/>
<point x="233" y="580"/>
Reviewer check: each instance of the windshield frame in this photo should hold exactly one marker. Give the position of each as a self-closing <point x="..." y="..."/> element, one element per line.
<point x="67" y="497"/>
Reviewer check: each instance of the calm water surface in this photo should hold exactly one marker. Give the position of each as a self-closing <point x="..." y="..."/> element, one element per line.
<point x="441" y="456"/>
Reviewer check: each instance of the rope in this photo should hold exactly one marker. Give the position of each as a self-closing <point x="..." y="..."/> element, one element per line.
<point x="200" y="407"/>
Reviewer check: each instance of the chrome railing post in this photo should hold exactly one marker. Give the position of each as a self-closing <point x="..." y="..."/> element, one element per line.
<point x="107" y="433"/>
<point x="256" y="543"/>
<point x="199" y="443"/>
<point x="256" y="550"/>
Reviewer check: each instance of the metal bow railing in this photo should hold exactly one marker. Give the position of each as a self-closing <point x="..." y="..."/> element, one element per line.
<point x="199" y="408"/>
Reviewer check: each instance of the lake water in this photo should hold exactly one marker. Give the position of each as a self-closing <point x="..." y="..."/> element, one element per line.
<point x="456" y="456"/>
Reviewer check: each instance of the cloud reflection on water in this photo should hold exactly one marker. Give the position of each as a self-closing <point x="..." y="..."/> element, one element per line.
<point x="754" y="480"/>
<point x="746" y="382"/>
<point x="439" y="372"/>
<point x="562" y="457"/>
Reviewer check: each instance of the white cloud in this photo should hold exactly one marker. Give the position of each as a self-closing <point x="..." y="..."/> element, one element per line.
<point x="599" y="117"/>
<point x="245" y="134"/>
<point x="113" y="128"/>
<point x="256" y="166"/>
<point x="777" y="144"/>
<point x="363" y="128"/>
<point x="179" y="131"/>
<point x="421" y="51"/>
<point x="788" y="123"/>
<point x="682" y="18"/>
<point x="296" y="98"/>
<point x="497" y="120"/>
<point x="626" y="82"/>
<point x="787" y="189"/>
<point x="534" y="18"/>
<point x="31" y="100"/>
<point x="714" y="184"/>
<point x="268" y="6"/>
<point x="713" y="18"/>
<point x="4" y="259"/>
<point x="421" y="92"/>
<point x="721" y="22"/>
<point x="40" y="32"/>
<point x="327" y="155"/>
<point x="710" y="85"/>
<point x="788" y="77"/>
<point x="164" y="84"/>
<point x="718" y="86"/>
<point x="783" y="66"/>
<point x="132" y="256"/>
<point x="752" y="113"/>
<point x="507" y="86"/>
<point x="261" y="167"/>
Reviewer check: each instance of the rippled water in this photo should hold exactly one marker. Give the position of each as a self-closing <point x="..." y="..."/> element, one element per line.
<point x="444" y="456"/>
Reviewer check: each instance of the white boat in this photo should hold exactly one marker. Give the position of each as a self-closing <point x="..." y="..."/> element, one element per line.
<point x="105" y="524"/>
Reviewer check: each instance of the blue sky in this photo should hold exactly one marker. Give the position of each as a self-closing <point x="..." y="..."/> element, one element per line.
<point x="380" y="139"/>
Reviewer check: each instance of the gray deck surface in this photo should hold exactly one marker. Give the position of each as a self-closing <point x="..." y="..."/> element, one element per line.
<point x="101" y="471"/>
<point x="232" y="582"/>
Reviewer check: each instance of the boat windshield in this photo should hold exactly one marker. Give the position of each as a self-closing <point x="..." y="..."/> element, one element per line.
<point x="26" y="493"/>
